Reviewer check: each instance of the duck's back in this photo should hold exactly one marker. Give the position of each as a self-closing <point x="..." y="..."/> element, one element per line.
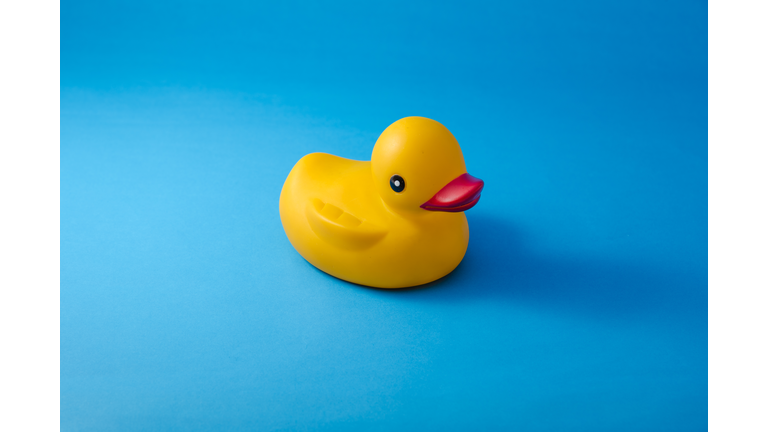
<point x="343" y="183"/>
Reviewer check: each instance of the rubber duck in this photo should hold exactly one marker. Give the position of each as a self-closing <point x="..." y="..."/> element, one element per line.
<point x="395" y="221"/>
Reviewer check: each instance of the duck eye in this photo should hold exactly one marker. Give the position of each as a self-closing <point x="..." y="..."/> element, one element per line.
<point x="397" y="183"/>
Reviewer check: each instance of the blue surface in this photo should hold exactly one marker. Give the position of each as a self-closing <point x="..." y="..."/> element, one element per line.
<point x="581" y="304"/>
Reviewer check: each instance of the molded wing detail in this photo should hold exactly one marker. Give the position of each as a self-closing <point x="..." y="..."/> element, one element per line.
<point x="341" y="229"/>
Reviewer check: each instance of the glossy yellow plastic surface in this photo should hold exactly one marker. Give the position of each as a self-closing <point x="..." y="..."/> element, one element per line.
<point x="344" y="217"/>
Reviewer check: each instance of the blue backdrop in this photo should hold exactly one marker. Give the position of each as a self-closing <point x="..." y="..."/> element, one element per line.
<point x="581" y="304"/>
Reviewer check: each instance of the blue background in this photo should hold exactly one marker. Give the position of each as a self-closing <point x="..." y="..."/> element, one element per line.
<point x="581" y="304"/>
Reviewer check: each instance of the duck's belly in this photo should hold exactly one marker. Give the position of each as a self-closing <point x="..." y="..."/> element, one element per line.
<point x="401" y="259"/>
<point x="412" y="252"/>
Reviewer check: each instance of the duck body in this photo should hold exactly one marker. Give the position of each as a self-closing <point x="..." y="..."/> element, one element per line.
<point x="335" y="216"/>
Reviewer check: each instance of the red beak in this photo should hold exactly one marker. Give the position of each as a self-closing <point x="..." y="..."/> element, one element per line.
<point x="461" y="194"/>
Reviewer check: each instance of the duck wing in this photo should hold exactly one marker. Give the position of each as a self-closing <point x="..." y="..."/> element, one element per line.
<point x="340" y="228"/>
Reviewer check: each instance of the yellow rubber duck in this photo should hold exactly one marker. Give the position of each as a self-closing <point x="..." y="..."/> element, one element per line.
<point x="394" y="222"/>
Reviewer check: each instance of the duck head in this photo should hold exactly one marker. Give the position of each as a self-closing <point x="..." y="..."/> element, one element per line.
<point x="418" y="166"/>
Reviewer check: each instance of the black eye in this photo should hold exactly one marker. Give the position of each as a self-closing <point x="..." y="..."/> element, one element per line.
<point x="397" y="183"/>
